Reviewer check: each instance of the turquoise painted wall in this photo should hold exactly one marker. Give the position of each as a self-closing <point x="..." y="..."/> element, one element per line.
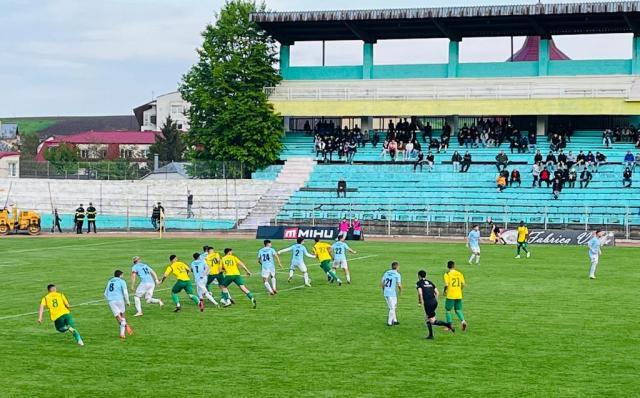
<point x="323" y="72"/>
<point x="410" y="71"/>
<point x="590" y="67"/>
<point x="479" y="69"/>
<point x="498" y="69"/>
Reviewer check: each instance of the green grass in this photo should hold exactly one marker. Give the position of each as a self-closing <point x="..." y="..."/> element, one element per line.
<point x="31" y="125"/>
<point x="537" y="327"/>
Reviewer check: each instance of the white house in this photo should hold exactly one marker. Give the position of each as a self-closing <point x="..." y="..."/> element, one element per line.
<point x="152" y="115"/>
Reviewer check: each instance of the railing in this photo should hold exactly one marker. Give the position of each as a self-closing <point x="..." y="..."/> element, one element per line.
<point x="515" y="91"/>
<point x="426" y="221"/>
<point x="125" y="170"/>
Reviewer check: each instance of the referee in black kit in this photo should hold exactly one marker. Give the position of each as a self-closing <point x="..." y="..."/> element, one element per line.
<point x="428" y="297"/>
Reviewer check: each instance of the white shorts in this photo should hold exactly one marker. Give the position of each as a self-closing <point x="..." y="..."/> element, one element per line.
<point x="594" y="258"/>
<point x="301" y="266"/>
<point x="268" y="272"/>
<point x="340" y="264"/>
<point x="145" y="290"/>
<point x="475" y="249"/>
<point x="201" y="286"/>
<point x="117" y="307"/>
<point x="392" y="302"/>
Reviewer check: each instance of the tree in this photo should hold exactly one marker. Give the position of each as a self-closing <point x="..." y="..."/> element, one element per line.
<point x="64" y="158"/>
<point x="28" y="145"/>
<point x="230" y="116"/>
<point x="169" y="145"/>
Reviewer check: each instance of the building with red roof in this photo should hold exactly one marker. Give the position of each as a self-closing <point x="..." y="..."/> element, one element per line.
<point x="104" y="145"/>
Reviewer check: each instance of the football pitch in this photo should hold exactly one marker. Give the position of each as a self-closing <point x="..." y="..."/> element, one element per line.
<point x="537" y="326"/>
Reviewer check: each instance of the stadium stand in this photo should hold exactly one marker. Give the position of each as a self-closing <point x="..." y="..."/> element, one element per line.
<point x="384" y="191"/>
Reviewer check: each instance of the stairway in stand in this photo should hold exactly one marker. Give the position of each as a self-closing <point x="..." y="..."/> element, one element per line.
<point x="292" y="177"/>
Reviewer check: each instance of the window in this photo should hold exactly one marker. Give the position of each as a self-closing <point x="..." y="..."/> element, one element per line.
<point x="153" y="119"/>
<point x="126" y="153"/>
<point x="84" y="154"/>
<point x="179" y="125"/>
<point x="13" y="169"/>
<point x="177" y="109"/>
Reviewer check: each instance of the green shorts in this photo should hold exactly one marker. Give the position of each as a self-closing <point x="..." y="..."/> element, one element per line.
<point x="229" y="279"/>
<point x="326" y="265"/>
<point x="182" y="285"/>
<point x="523" y="244"/>
<point x="63" y="322"/>
<point x="453" y="304"/>
<point x="216" y="277"/>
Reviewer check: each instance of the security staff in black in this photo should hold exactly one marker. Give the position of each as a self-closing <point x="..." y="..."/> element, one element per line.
<point x="428" y="297"/>
<point x="91" y="218"/>
<point x="79" y="217"/>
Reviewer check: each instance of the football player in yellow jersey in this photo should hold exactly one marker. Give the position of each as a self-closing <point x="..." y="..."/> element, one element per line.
<point x="523" y="235"/>
<point x="323" y="253"/>
<point x="453" y="285"/>
<point x="181" y="271"/>
<point x="59" y="311"/>
<point x="212" y="258"/>
<point x="230" y="267"/>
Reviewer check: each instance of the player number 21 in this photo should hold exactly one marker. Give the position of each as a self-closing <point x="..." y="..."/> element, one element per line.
<point x="387" y="282"/>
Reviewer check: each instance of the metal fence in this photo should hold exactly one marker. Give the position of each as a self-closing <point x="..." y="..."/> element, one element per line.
<point x="624" y="221"/>
<point x="129" y="170"/>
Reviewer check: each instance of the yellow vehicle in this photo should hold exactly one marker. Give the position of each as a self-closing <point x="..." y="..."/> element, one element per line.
<point x="27" y="220"/>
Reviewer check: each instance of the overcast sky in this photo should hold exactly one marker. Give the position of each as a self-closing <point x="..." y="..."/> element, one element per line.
<point x="80" y="57"/>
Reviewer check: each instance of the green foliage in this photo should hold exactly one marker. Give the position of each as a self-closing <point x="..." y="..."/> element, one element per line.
<point x="230" y="116"/>
<point x="29" y="146"/>
<point x="538" y="327"/>
<point x="169" y="145"/>
<point x="214" y="169"/>
<point x="64" y="158"/>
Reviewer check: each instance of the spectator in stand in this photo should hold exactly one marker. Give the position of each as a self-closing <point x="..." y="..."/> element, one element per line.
<point x="637" y="163"/>
<point x="320" y="148"/>
<point x="585" y="178"/>
<point x="502" y="160"/>
<point x="393" y="149"/>
<point x="537" y="158"/>
<point x="535" y="172"/>
<point x="390" y="127"/>
<point x="431" y="160"/>
<point x="427" y="132"/>
<point x="600" y="160"/>
<point x="571" y="159"/>
<point x="573" y="176"/>
<point x="533" y="139"/>
<point x="626" y="178"/>
<point x="590" y="160"/>
<point x="352" y="148"/>
<point x="307" y="127"/>
<point x="629" y="159"/>
<point x="463" y="136"/>
<point x="190" y="213"/>
<point x="545" y="176"/>
<point x="607" y="138"/>
<point x="555" y="142"/>
<point x="408" y="151"/>
<point x="514" y="144"/>
<point x="376" y="139"/>
<point x="466" y="162"/>
<point x="455" y="161"/>
<point x="385" y="150"/>
<point x="515" y="177"/>
<point x="445" y="137"/>
<point x="524" y="145"/>
<point x="550" y="162"/>
<point x="419" y="161"/>
<point x="637" y="140"/>
<point x="501" y="183"/>
<point x="342" y="188"/>
<point x="562" y="157"/>
<point x="580" y="159"/>
<point x="365" y="138"/>
<point x="557" y="187"/>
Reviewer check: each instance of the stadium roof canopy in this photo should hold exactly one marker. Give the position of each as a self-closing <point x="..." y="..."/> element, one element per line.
<point x="453" y="22"/>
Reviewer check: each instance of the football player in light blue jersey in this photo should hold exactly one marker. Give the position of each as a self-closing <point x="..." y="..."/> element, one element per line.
<point x="391" y="284"/>
<point x="266" y="257"/>
<point x="340" y="249"/>
<point x="117" y="294"/>
<point x="297" y="260"/>
<point x="473" y="243"/>
<point x="594" y="252"/>
<point x="148" y="280"/>
<point x="200" y="271"/>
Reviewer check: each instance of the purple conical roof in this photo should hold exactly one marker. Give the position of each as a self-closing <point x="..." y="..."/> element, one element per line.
<point x="530" y="51"/>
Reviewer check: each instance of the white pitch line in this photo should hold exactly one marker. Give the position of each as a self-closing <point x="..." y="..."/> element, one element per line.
<point x="68" y="246"/>
<point x="159" y="290"/>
